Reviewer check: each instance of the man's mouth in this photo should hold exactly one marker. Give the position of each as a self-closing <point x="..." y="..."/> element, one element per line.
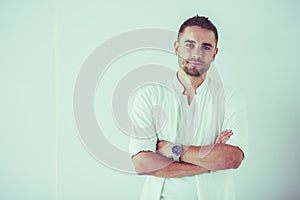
<point x="195" y="63"/>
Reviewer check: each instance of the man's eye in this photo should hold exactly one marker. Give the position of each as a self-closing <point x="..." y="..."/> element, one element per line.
<point x="207" y="48"/>
<point x="189" y="45"/>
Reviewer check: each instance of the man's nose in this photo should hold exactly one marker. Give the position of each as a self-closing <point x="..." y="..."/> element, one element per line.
<point x="197" y="53"/>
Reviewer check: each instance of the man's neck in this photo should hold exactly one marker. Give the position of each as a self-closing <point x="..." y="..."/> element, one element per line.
<point x="190" y="83"/>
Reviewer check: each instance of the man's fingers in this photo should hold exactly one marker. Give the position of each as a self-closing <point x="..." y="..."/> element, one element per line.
<point x="226" y="131"/>
<point x="224" y="140"/>
<point x="224" y="136"/>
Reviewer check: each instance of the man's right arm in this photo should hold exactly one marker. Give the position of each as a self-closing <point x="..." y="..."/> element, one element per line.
<point x="151" y="163"/>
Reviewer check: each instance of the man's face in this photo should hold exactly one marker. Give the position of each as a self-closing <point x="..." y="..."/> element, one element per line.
<point x="196" y="50"/>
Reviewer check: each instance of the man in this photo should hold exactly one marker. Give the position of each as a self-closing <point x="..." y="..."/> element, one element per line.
<point x="190" y="132"/>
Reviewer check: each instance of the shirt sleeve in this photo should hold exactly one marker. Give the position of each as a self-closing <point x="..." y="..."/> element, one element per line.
<point x="235" y="119"/>
<point x="143" y="134"/>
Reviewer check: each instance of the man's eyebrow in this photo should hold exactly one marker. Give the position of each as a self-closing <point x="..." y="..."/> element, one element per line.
<point x="189" y="41"/>
<point x="207" y="44"/>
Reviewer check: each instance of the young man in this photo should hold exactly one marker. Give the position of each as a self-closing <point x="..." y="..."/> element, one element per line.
<point x="191" y="131"/>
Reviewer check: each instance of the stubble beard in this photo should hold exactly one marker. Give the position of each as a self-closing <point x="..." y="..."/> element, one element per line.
<point x="193" y="71"/>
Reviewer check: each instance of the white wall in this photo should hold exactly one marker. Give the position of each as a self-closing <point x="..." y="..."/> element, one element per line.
<point x="43" y="47"/>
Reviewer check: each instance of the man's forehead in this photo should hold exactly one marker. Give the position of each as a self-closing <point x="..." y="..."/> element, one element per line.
<point x="197" y="34"/>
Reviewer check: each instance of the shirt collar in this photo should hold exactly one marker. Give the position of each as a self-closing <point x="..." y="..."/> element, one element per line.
<point x="180" y="88"/>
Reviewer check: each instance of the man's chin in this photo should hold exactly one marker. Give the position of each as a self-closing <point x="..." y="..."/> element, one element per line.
<point x="193" y="73"/>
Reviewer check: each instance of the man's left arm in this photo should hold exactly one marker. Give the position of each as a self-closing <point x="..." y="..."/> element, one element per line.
<point x="213" y="157"/>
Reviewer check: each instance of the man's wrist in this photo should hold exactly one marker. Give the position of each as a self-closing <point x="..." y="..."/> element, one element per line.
<point x="184" y="150"/>
<point x="176" y="152"/>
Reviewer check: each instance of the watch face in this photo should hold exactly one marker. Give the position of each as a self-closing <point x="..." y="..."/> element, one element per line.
<point x="176" y="150"/>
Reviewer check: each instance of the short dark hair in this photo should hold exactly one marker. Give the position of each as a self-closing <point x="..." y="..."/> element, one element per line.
<point x="202" y="22"/>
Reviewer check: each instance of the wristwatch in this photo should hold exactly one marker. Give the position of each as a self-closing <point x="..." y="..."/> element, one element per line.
<point x="176" y="152"/>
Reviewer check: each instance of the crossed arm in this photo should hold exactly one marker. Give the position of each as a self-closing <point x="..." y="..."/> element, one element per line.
<point x="194" y="159"/>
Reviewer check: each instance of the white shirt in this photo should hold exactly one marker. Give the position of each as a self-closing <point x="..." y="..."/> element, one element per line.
<point x="179" y="188"/>
<point x="161" y="112"/>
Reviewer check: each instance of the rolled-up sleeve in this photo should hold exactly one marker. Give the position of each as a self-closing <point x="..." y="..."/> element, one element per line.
<point x="235" y="119"/>
<point x="143" y="134"/>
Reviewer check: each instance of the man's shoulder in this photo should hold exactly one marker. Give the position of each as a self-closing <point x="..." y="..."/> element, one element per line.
<point x="149" y="89"/>
<point x="234" y="97"/>
<point x="220" y="90"/>
<point x="154" y="89"/>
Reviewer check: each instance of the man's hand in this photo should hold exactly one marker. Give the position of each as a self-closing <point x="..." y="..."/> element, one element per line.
<point x="224" y="137"/>
<point x="164" y="148"/>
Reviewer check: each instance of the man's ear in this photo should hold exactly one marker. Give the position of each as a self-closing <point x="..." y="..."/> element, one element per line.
<point x="215" y="54"/>
<point x="176" y="47"/>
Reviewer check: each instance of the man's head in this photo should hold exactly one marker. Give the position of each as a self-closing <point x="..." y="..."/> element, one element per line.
<point x="202" y="22"/>
<point x="196" y="45"/>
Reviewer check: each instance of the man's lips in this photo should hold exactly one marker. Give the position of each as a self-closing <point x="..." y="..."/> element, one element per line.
<point x="195" y="63"/>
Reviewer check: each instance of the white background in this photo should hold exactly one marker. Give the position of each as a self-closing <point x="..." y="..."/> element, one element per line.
<point x="44" y="44"/>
